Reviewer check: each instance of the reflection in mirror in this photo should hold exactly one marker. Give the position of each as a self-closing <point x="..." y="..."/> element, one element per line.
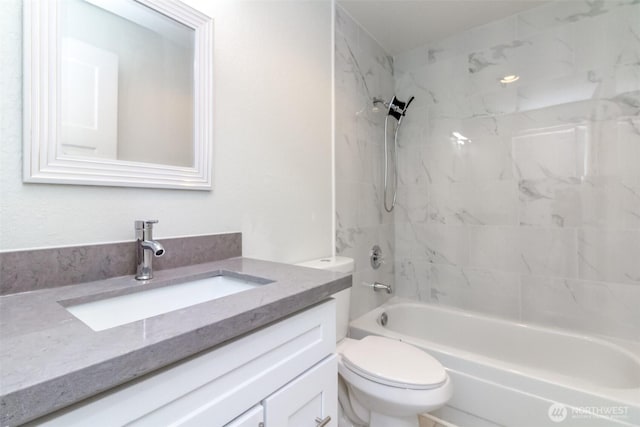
<point x="126" y="83"/>
<point x="118" y="93"/>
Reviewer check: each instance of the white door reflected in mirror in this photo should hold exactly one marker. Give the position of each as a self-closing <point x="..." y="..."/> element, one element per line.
<point x="89" y="100"/>
<point x="152" y="58"/>
<point x="124" y="98"/>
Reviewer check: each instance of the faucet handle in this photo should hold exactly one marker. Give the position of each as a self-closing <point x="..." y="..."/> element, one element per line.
<point x="142" y="224"/>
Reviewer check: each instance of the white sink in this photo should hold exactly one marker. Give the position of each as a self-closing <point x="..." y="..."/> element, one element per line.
<point x="110" y="312"/>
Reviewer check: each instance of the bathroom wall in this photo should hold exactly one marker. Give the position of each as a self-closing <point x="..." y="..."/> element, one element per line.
<point x="272" y="145"/>
<point x="362" y="70"/>
<point x="537" y="217"/>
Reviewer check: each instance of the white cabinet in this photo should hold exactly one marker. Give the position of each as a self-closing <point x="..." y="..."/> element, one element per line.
<point x="252" y="418"/>
<point x="308" y="401"/>
<point x="293" y="357"/>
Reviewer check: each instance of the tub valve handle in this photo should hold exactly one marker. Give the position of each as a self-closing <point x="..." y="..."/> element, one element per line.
<point x="376" y="258"/>
<point x="377" y="286"/>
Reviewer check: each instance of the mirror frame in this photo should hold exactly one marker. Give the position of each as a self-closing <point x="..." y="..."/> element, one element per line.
<point x="41" y="160"/>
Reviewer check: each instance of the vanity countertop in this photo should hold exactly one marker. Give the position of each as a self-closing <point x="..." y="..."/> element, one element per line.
<point x="50" y="359"/>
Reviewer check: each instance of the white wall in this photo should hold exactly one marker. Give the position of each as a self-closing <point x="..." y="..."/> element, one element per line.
<point x="272" y="168"/>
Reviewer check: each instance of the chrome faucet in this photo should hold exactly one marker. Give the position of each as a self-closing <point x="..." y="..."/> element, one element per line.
<point x="147" y="248"/>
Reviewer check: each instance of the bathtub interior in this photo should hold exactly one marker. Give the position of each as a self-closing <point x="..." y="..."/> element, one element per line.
<point x="490" y="387"/>
<point x="548" y="353"/>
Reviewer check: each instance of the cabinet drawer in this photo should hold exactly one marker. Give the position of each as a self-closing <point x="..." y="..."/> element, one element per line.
<point x="214" y="387"/>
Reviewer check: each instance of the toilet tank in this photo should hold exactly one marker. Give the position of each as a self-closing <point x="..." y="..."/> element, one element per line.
<point x="343" y="298"/>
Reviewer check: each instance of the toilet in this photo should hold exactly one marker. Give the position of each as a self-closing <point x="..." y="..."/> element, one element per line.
<point x="382" y="382"/>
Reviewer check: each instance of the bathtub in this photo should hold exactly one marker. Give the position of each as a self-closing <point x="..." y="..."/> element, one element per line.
<point x="511" y="374"/>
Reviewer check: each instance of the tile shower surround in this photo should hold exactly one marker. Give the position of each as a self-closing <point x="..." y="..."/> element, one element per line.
<point x="29" y="270"/>
<point x="362" y="71"/>
<point x="538" y="217"/>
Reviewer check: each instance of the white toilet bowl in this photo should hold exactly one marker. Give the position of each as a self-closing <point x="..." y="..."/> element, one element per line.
<point x="383" y="382"/>
<point x="390" y="382"/>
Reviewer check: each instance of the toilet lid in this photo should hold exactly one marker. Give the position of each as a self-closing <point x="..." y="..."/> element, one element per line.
<point x="394" y="363"/>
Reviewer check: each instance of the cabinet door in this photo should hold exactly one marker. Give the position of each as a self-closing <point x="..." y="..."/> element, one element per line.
<point x="252" y="418"/>
<point x="308" y="401"/>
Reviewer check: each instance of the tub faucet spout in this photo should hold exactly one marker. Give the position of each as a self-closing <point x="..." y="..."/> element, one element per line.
<point x="147" y="248"/>
<point x="377" y="286"/>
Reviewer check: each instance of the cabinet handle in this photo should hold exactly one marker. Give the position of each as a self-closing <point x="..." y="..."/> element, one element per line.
<point x="323" y="422"/>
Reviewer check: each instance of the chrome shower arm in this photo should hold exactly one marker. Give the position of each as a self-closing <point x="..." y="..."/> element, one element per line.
<point x="377" y="100"/>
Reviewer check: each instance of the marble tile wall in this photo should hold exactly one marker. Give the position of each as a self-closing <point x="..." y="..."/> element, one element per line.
<point x="363" y="70"/>
<point x="537" y="218"/>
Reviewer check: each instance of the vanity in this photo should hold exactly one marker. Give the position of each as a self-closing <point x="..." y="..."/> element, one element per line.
<point x="79" y="345"/>
<point x="263" y="356"/>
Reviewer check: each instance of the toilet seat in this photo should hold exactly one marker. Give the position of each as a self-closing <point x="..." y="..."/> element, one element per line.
<point x="393" y="363"/>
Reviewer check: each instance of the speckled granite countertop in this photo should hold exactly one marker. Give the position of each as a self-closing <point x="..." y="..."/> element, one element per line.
<point x="50" y="359"/>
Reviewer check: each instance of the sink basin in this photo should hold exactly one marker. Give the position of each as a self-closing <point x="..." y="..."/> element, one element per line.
<point x="120" y="310"/>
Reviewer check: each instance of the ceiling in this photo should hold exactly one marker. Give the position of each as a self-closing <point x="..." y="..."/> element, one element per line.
<point x="401" y="25"/>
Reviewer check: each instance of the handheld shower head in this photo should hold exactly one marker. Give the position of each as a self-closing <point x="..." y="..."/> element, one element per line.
<point x="398" y="109"/>
<point x="395" y="107"/>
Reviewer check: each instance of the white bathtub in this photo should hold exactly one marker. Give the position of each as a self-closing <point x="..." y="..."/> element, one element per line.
<point x="511" y="374"/>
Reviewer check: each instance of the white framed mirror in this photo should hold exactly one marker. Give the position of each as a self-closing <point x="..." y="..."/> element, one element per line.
<point x="118" y="93"/>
